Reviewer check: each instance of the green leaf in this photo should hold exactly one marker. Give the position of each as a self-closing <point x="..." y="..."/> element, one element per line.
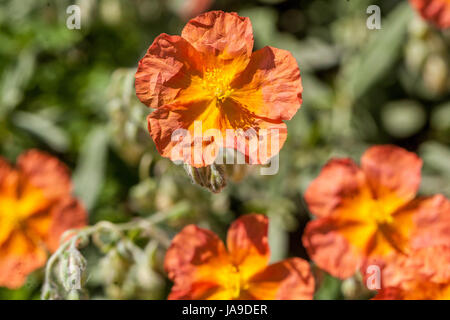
<point x="382" y="52"/>
<point x="90" y="172"/>
<point x="330" y="289"/>
<point x="43" y="128"/>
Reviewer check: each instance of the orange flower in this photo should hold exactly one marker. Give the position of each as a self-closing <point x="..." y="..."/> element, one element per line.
<point x="210" y="91"/>
<point x="436" y="11"/>
<point x="371" y="212"/>
<point x="424" y="275"/>
<point x="202" y="268"/>
<point x="35" y="209"/>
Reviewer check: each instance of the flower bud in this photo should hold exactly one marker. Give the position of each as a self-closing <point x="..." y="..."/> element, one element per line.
<point x="212" y="177"/>
<point x="71" y="269"/>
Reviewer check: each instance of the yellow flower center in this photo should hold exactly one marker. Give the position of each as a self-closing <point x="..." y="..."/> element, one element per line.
<point x="217" y="83"/>
<point x="236" y="283"/>
<point x="16" y="207"/>
<point x="381" y="215"/>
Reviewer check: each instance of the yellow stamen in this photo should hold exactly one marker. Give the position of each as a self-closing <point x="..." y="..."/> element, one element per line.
<point x="217" y="82"/>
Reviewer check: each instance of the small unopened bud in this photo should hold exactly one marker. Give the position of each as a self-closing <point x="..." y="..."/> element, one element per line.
<point x="71" y="269"/>
<point x="436" y="74"/>
<point x="212" y="177"/>
<point x="354" y="289"/>
<point x="114" y="266"/>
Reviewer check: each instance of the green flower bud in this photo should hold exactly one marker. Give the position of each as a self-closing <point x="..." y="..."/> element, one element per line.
<point x="212" y="177"/>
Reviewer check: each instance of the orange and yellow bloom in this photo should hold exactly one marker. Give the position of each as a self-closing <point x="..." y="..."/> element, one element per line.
<point x="36" y="207"/>
<point x="423" y="275"/>
<point x="436" y="11"/>
<point x="371" y="212"/>
<point x="202" y="268"/>
<point x="207" y="83"/>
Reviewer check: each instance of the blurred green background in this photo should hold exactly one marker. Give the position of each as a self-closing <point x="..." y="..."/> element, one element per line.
<point x="71" y="93"/>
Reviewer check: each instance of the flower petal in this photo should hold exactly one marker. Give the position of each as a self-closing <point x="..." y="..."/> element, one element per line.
<point x="188" y="133"/>
<point x="332" y="199"/>
<point x="436" y="11"/>
<point x="258" y="139"/>
<point x="331" y="250"/>
<point x="248" y="244"/>
<point x="67" y="214"/>
<point x="170" y="66"/>
<point x="430" y="264"/>
<point x="432" y="221"/>
<point x="19" y="256"/>
<point x="46" y="173"/>
<point x="392" y="173"/>
<point x="389" y="294"/>
<point x="194" y="132"/>
<point x="270" y="86"/>
<point x="5" y="169"/>
<point x="221" y="34"/>
<point x="8" y="190"/>
<point x="290" y="279"/>
<point x="197" y="263"/>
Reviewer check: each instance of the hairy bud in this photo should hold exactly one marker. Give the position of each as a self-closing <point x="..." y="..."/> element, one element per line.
<point x="212" y="177"/>
<point x="71" y="269"/>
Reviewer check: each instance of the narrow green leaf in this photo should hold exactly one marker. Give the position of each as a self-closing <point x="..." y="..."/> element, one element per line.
<point x="381" y="53"/>
<point x="43" y="128"/>
<point x="90" y="172"/>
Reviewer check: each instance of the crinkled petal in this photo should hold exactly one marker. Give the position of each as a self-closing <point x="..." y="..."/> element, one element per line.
<point x="66" y="215"/>
<point x="270" y="86"/>
<point x="433" y="263"/>
<point x="421" y="291"/>
<point x="392" y="173"/>
<point x="436" y="11"/>
<point x="426" y="265"/>
<point x="248" y="244"/>
<point x="197" y="263"/>
<point x="328" y="246"/>
<point x="194" y="132"/>
<point x="46" y="173"/>
<point x="19" y="256"/>
<point x="221" y="34"/>
<point x="290" y="279"/>
<point x="340" y="188"/>
<point x="258" y="139"/>
<point x="432" y="220"/>
<point x="170" y="68"/>
<point x="189" y="133"/>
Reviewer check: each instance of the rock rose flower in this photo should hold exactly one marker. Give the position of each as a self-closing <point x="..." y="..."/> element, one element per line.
<point x="370" y="212"/>
<point x="202" y="268"/>
<point x="36" y="207"/>
<point x="211" y="92"/>
<point x="436" y="11"/>
<point x="424" y="275"/>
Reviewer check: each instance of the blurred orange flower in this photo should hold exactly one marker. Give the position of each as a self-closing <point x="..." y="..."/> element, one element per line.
<point x="371" y="212"/>
<point x="424" y="275"/>
<point x="202" y="268"/>
<point x="208" y="84"/>
<point x="36" y="207"/>
<point x="436" y="11"/>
